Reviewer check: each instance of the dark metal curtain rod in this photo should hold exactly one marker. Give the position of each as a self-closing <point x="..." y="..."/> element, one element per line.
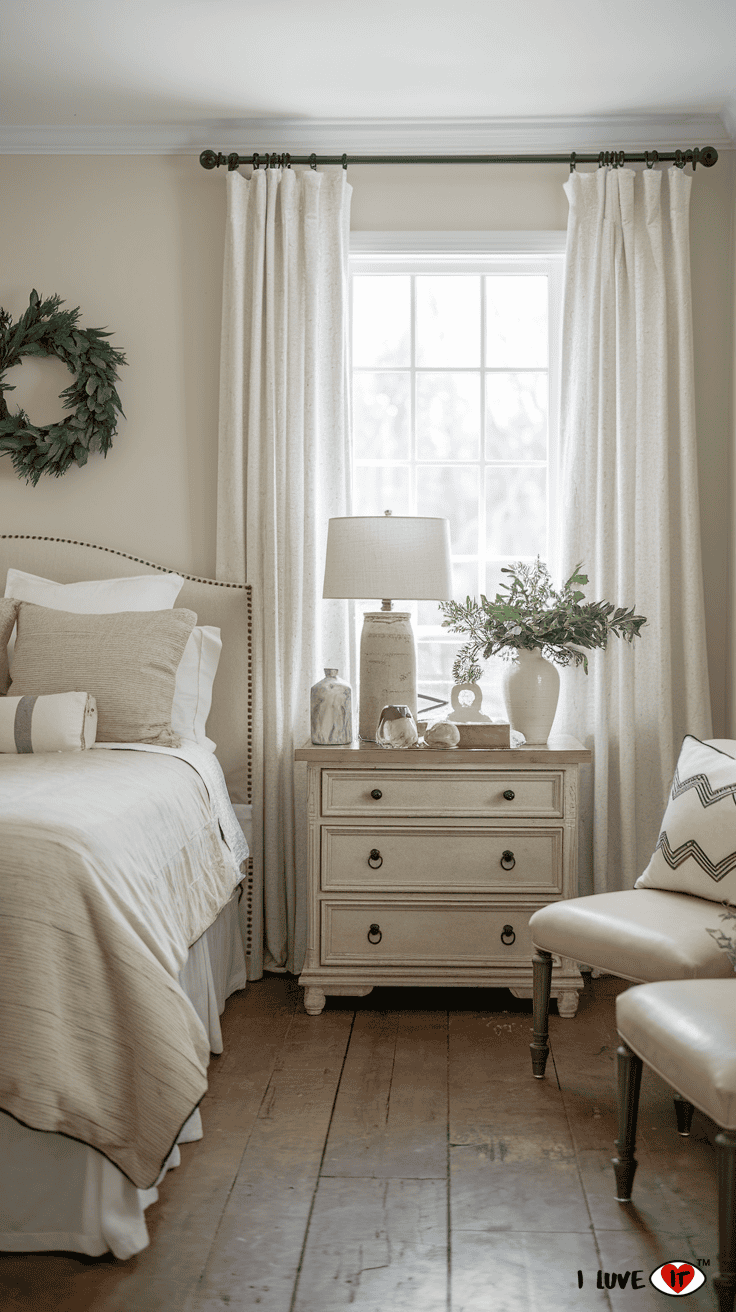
<point x="706" y="155"/>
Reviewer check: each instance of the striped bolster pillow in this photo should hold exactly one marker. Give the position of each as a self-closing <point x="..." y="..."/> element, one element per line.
<point x="58" y="722"/>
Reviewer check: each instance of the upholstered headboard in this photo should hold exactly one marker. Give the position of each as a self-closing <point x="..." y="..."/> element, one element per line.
<point x="225" y="605"/>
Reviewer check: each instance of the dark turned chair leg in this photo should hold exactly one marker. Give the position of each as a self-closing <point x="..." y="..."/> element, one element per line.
<point x="684" y="1113"/>
<point x="725" y="1281"/>
<point x="542" y="982"/>
<point x="629" y="1083"/>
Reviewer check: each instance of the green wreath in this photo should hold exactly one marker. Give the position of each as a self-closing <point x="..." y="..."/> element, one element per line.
<point x="44" y="329"/>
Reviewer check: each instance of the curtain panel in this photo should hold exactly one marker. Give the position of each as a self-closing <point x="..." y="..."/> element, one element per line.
<point x="629" y="503"/>
<point x="283" y="470"/>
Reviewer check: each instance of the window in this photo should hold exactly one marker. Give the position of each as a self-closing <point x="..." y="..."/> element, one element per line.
<point x="455" y="379"/>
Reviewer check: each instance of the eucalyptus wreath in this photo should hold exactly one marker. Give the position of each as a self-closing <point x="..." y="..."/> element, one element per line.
<point x="45" y="329"/>
<point x="532" y="614"/>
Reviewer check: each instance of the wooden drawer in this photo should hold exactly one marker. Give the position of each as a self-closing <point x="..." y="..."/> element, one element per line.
<point x="423" y="935"/>
<point x="442" y="792"/>
<point x="429" y="859"/>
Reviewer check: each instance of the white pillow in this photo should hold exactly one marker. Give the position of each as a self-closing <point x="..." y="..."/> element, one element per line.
<point x="194" y="679"/>
<point x="196" y="673"/>
<point x="696" y="850"/>
<point x="58" y="722"/>
<point x="96" y="596"/>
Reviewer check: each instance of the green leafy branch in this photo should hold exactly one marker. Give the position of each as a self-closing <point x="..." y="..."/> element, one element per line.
<point x="529" y="613"/>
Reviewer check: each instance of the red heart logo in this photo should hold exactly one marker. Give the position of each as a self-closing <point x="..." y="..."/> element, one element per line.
<point x="678" y="1277"/>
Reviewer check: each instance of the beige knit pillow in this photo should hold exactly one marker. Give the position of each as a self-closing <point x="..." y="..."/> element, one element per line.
<point x="8" y="612"/>
<point x="127" y="661"/>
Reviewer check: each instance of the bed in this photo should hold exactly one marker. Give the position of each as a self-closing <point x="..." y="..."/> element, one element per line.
<point x="125" y="878"/>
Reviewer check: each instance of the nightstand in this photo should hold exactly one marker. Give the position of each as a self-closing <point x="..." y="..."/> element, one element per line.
<point x="425" y="866"/>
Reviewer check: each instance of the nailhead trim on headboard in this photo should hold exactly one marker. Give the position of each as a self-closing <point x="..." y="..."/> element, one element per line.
<point x="193" y="578"/>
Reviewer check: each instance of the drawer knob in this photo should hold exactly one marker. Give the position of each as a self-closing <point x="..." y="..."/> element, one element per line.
<point x="376" y="794"/>
<point x="375" y="860"/>
<point x="507" y="935"/>
<point x="508" y="860"/>
<point x="374" y="934"/>
<point x="509" y="794"/>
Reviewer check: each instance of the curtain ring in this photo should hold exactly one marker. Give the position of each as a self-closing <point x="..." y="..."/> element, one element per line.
<point x="312" y="161"/>
<point x="600" y="160"/>
<point x="573" y="157"/>
<point x="651" y="158"/>
<point x="345" y="161"/>
<point x="679" y="160"/>
<point x="287" y="161"/>
<point x="256" y="159"/>
<point x="233" y="161"/>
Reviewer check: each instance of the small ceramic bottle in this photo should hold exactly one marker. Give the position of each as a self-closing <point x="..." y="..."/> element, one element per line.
<point x="331" y="705"/>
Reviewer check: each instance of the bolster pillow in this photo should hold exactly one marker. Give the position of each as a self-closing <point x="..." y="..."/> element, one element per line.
<point x="57" y="722"/>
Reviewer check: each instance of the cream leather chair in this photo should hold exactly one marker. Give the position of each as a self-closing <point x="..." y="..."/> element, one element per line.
<point x="686" y="1031"/>
<point x="641" y="934"/>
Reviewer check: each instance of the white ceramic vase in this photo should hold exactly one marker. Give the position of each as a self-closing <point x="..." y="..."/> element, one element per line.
<point x="331" y="711"/>
<point x="531" y="688"/>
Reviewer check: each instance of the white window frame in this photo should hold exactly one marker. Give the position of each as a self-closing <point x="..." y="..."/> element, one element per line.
<point x="479" y="253"/>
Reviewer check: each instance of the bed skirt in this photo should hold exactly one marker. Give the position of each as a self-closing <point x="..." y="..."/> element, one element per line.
<point x="60" y="1195"/>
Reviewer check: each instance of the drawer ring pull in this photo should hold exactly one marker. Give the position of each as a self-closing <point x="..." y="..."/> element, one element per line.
<point x="508" y="936"/>
<point x="376" y="794"/>
<point x="508" y="860"/>
<point x="374" y="934"/>
<point x="509" y="794"/>
<point x="375" y="860"/>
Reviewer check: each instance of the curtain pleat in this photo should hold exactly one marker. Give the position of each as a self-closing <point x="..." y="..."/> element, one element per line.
<point x="629" y="504"/>
<point x="283" y="470"/>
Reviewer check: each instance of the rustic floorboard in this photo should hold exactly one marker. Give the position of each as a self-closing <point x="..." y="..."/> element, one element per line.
<point x="376" y="1246"/>
<point x="391" y="1112"/>
<point x="395" y="1155"/>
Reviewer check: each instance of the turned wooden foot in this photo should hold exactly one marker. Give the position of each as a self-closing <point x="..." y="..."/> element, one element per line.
<point x="567" y="1003"/>
<point x="542" y="979"/>
<point x="684" y="1113"/>
<point x="725" y="1281"/>
<point x="629" y="1084"/>
<point x="314" y="1001"/>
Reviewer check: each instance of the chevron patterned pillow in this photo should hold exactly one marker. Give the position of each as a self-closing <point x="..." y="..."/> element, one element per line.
<point x="696" y="849"/>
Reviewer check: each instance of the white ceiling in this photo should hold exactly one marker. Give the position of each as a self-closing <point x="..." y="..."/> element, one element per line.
<point x="219" y="64"/>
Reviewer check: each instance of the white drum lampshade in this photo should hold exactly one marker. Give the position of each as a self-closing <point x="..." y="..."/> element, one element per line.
<point x="387" y="556"/>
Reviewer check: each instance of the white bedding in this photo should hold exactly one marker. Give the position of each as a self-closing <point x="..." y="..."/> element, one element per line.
<point x="54" y="1191"/>
<point x="59" y="1195"/>
<point x="111" y="868"/>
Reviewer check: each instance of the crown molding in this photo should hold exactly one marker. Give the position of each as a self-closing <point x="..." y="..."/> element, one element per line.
<point x="379" y="136"/>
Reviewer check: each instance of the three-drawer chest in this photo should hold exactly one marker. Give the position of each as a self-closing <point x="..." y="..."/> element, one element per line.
<point x="424" y="866"/>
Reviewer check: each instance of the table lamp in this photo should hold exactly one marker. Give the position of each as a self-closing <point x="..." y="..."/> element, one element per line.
<point x="387" y="556"/>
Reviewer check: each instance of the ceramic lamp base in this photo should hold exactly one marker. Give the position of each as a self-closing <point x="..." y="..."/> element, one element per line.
<point x="388" y="667"/>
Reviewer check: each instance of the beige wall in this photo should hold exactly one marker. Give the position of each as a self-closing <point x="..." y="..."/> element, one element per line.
<point x="137" y="243"/>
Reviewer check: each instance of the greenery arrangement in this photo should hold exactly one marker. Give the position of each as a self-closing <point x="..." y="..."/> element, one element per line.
<point x="45" y="329"/>
<point x="532" y="615"/>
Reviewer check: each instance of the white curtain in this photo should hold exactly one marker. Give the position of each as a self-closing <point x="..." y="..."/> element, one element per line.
<point x="283" y="470"/>
<point x="629" y="503"/>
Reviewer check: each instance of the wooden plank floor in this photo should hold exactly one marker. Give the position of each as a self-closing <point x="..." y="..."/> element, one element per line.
<point x="395" y="1155"/>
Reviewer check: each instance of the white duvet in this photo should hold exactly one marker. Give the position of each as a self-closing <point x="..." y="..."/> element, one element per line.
<point x="112" y="863"/>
